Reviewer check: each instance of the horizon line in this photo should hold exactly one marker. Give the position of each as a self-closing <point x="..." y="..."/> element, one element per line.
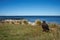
<point x="29" y="15"/>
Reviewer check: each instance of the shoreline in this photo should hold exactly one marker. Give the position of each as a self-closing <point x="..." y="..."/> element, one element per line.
<point x="20" y="20"/>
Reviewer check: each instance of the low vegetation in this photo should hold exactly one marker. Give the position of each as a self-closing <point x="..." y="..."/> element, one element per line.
<point x="28" y="32"/>
<point x="38" y="22"/>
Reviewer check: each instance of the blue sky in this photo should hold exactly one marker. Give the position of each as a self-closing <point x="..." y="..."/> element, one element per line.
<point x="29" y="7"/>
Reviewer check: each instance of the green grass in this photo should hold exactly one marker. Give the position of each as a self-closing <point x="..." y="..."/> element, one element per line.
<point x="26" y="32"/>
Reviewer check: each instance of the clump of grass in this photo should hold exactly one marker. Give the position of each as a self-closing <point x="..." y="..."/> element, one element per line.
<point x="19" y="22"/>
<point x="53" y="25"/>
<point x="12" y="22"/>
<point x="24" y="22"/>
<point x="38" y="22"/>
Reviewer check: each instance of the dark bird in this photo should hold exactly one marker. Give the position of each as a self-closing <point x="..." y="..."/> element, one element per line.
<point x="45" y="26"/>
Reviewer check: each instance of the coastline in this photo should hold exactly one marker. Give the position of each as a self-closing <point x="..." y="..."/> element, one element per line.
<point x="48" y="19"/>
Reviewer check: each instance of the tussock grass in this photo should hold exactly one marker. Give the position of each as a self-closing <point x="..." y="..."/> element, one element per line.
<point x="38" y="22"/>
<point x="27" y="32"/>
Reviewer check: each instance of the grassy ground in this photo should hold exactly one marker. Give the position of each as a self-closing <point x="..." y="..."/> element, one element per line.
<point x="26" y="32"/>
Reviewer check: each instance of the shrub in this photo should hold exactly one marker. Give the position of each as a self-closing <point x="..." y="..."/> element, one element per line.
<point x="12" y="22"/>
<point x="20" y="22"/>
<point x="24" y="22"/>
<point x="38" y="22"/>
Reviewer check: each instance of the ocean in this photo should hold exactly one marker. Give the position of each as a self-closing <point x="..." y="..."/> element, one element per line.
<point x="53" y="19"/>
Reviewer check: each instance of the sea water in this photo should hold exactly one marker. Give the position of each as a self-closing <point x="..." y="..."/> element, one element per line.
<point x="53" y="19"/>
